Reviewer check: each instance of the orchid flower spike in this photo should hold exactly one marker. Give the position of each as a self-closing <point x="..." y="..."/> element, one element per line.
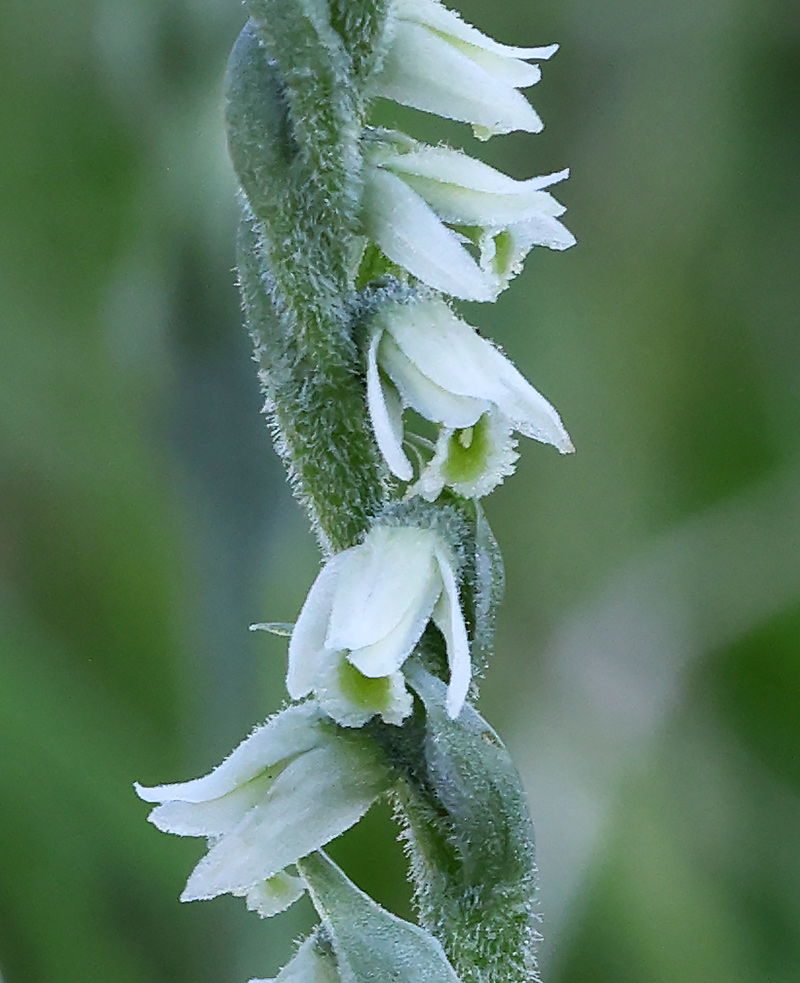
<point x="421" y="355"/>
<point x="364" y="614"/>
<point x="424" y="206"/>
<point x="438" y="63"/>
<point x="292" y="786"/>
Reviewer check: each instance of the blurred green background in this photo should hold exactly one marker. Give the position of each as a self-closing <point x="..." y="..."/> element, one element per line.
<point x="646" y="678"/>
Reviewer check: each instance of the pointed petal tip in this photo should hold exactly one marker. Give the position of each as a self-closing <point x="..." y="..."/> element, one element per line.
<point x="453" y="704"/>
<point x="148" y="793"/>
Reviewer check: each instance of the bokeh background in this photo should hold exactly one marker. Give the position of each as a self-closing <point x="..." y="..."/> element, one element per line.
<point x="647" y="673"/>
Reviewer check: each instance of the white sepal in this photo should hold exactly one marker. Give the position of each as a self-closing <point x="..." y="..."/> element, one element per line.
<point x="315" y="799"/>
<point x="386" y="413"/>
<point x="411" y="235"/>
<point x="416" y="389"/>
<point x="449" y="619"/>
<point x="283" y="736"/>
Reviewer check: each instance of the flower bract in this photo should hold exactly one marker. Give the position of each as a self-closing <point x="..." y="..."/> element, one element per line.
<point x="438" y="63"/>
<point x="362" y="618"/>
<point x="312" y="963"/>
<point x="293" y="785"/>
<point x="423" y="356"/>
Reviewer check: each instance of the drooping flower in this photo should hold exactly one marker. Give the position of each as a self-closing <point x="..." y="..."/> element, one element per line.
<point x="424" y="206"/>
<point x="292" y="786"/>
<point x="364" y="614"/>
<point x="423" y="356"/>
<point x="438" y="63"/>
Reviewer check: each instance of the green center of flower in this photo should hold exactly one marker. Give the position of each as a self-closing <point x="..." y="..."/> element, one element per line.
<point x="503" y="260"/>
<point x="467" y="452"/>
<point x="362" y="691"/>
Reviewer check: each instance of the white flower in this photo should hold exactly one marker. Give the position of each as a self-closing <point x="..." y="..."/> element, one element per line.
<point x="424" y="205"/>
<point x="363" y="616"/>
<point x="438" y="63"/>
<point x="424" y="357"/>
<point x="293" y="785"/>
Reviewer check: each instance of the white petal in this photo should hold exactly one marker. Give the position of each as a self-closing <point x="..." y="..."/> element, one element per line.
<point x="449" y="352"/>
<point x="525" y="407"/>
<point x="542" y="230"/>
<point x="456" y="358"/>
<point x="275" y="895"/>
<point x="411" y="235"/>
<point x="425" y="71"/>
<point x="389" y="653"/>
<point x="212" y="818"/>
<point x="435" y="403"/>
<point x="288" y="733"/>
<point x="466" y="191"/>
<point x="320" y="795"/>
<point x="450" y="621"/>
<point x="431" y="482"/>
<point x="386" y="416"/>
<point x="448" y="166"/>
<point x="386" y="577"/>
<point x="447" y="21"/>
<point x="307" y="643"/>
<point x="512" y="71"/>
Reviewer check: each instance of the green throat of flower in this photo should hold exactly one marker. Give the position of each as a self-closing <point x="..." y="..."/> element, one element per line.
<point x="467" y="452"/>
<point x="362" y="691"/>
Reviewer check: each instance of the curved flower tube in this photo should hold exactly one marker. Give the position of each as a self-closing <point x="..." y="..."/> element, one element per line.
<point x="424" y="357"/>
<point x="364" y="614"/>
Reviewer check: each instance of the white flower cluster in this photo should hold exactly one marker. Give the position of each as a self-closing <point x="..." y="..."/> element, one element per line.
<point x="447" y="224"/>
<point x="460" y="228"/>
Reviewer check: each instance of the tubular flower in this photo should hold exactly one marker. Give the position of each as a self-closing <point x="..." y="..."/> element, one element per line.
<point x="425" y="205"/>
<point x="424" y="357"/>
<point x="364" y="614"/>
<point x="292" y="786"/>
<point x="438" y="63"/>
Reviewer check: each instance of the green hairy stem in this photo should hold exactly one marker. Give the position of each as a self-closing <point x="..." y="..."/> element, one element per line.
<point x="295" y="92"/>
<point x="295" y="149"/>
